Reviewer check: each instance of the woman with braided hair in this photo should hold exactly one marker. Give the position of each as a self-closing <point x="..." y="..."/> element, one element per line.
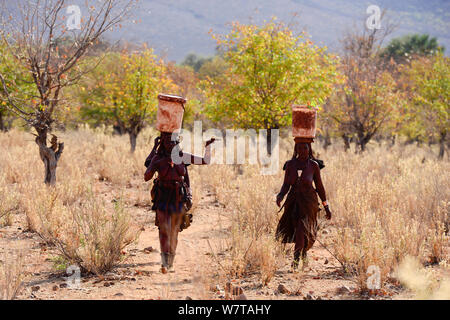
<point x="298" y="223"/>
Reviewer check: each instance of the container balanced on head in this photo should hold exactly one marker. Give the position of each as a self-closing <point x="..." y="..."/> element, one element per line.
<point x="298" y="223"/>
<point x="171" y="195"/>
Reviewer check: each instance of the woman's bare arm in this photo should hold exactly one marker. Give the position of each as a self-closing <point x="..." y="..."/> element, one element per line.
<point x="321" y="190"/>
<point x="318" y="183"/>
<point x="151" y="170"/>
<point x="153" y="152"/>
<point x="206" y="158"/>
<point x="289" y="180"/>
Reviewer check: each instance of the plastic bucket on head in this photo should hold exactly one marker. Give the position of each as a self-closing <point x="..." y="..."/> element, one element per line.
<point x="304" y="122"/>
<point x="169" y="116"/>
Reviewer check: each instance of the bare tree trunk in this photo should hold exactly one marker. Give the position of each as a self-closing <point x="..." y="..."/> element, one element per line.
<point x="117" y="129"/>
<point x="379" y="139"/>
<point x="418" y="142"/>
<point x="269" y="141"/>
<point x="346" y="142"/>
<point x="442" y="145"/>
<point x="133" y="137"/>
<point x="362" y="146"/>
<point x="49" y="155"/>
<point x="363" y="140"/>
<point x="431" y="141"/>
<point x="327" y="140"/>
<point x="2" y="124"/>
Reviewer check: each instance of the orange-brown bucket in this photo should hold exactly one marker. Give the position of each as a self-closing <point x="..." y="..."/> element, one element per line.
<point x="169" y="116"/>
<point x="304" y="121"/>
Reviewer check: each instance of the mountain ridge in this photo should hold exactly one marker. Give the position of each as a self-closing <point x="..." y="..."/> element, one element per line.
<point x="175" y="28"/>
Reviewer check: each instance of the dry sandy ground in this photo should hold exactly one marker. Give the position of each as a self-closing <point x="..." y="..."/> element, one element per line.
<point x="198" y="254"/>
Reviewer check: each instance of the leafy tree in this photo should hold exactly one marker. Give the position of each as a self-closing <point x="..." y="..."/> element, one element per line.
<point x="14" y="76"/>
<point x="33" y="41"/>
<point x="429" y="108"/>
<point x="194" y="61"/>
<point x="403" y="48"/>
<point x="124" y="90"/>
<point x="369" y="98"/>
<point x="268" y="68"/>
<point x="212" y="69"/>
<point x="186" y="81"/>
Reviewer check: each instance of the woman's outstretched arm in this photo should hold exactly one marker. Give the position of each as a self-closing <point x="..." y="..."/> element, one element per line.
<point x="199" y="160"/>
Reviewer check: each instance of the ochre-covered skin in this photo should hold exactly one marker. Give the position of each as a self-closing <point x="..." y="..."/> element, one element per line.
<point x="304" y="121"/>
<point x="171" y="176"/>
<point x="299" y="221"/>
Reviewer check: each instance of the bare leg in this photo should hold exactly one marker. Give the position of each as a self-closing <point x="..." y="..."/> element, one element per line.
<point x="300" y="242"/>
<point x="164" y="223"/>
<point x="169" y="226"/>
<point x="164" y="231"/>
<point x="175" y="223"/>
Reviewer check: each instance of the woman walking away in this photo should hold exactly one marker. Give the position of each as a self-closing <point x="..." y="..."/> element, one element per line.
<point x="171" y="191"/>
<point x="298" y="223"/>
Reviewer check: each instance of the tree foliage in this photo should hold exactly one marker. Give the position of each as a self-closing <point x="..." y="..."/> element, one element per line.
<point x="123" y="91"/>
<point x="35" y="33"/>
<point x="17" y="77"/>
<point x="194" y="61"/>
<point x="186" y="85"/>
<point x="369" y="98"/>
<point x="268" y="68"/>
<point x="428" y="84"/>
<point x="403" y="48"/>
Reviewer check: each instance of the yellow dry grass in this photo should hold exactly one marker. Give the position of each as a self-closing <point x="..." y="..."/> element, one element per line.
<point x="387" y="204"/>
<point x="11" y="274"/>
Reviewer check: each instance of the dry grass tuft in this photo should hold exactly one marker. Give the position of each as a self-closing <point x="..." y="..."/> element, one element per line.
<point x="86" y="233"/>
<point x="422" y="282"/>
<point x="387" y="203"/>
<point x="9" y="203"/>
<point x="11" y="275"/>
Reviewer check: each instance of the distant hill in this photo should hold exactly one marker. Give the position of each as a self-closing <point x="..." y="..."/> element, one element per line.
<point x="179" y="27"/>
<point x="176" y="28"/>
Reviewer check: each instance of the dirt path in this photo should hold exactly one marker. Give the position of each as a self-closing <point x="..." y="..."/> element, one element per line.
<point x="199" y="249"/>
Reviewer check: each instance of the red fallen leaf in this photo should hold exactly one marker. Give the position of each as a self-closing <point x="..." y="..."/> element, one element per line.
<point x="316" y="278"/>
